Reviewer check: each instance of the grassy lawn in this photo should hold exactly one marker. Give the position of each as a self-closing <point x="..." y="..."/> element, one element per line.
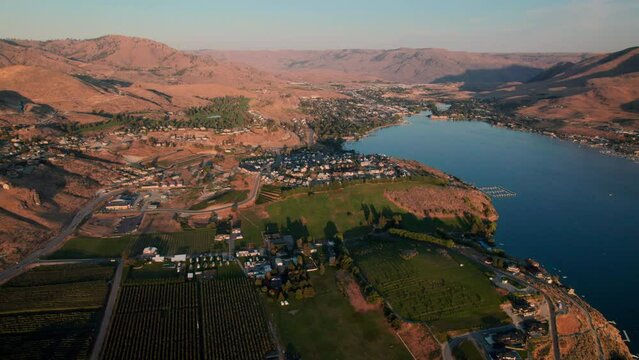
<point x="327" y="326"/>
<point x="321" y="214"/>
<point x="89" y="247"/>
<point x="431" y="286"/>
<point x="466" y="350"/>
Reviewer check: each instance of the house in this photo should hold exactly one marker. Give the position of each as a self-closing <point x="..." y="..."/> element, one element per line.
<point x="178" y="258"/>
<point x="150" y="251"/>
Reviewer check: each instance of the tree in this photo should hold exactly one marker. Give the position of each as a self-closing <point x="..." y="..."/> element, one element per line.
<point x="309" y="292"/>
<point x="299" y="295"/>
<point x="381" y="224"/>
<point x="346" y="262"/>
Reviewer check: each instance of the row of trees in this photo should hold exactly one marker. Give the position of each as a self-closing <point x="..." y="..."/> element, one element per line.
<point x="421" y="237"/>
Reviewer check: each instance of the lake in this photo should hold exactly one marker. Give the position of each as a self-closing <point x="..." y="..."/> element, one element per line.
<point x="576" y="210"/>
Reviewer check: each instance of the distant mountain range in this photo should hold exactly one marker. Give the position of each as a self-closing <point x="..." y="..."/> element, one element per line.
<point x="404" y="65"/>
<point x="68" y="78"/>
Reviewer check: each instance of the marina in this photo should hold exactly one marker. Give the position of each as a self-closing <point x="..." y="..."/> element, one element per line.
<point x="497" y="192"/>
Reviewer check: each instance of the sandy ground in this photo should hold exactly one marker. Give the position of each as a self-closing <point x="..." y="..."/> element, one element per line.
<point x="568" y="324"/>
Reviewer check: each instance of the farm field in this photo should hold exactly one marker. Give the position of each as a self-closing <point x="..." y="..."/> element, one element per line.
<point x="184" y="242"/>
<point x="328" y="327"/>
<point x="53" y="311"/>
<point x="89" y="247"/>
<point x="211" y="319"/>
<point x="345" y="210"/>
<point x="189" y="242"/>
<point x="447" y="291"/>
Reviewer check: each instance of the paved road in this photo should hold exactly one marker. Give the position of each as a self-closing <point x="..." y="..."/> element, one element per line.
<point x="55" y="242"/>
<point x="470" y="254"/>
<point x="108" y="312"/>
<point x="553" y="326"/>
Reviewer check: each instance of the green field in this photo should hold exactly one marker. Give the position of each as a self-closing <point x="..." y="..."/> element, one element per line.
<point x="322" y="213"/>
<point x="432" y="286"/>
<point x="327" y="326"/>
<point x="184" y="242"/>
<point x="89" y="247"/>
<point x="52" y="312"/>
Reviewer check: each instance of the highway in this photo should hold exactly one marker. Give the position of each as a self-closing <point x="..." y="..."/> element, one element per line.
<point x="55" y="242"/>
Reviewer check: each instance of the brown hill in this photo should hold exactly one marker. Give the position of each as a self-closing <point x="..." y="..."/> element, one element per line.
<point x="399" y="65"/>
<point x="597" y="95"/>
<point x="124" y="74"/>
<point x="136" y="59"/>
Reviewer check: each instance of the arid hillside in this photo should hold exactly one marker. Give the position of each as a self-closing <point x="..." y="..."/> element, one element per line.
<point x="67" y="79"/>
<point x="398" y="65"/>
<point x="598" y="94"/>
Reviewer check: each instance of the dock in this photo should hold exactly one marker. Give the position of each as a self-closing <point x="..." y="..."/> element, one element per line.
<point x="497" y="192"/>
<point x="627" y="338"/>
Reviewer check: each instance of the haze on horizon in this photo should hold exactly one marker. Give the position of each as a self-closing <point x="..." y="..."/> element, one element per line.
<point x="468" y="25"/>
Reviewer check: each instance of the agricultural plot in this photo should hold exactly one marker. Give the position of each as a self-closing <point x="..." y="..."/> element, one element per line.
<point x="90" y="247"/>
<point x="436" y="286"/>
<point x="52" y="311"/>
<point x="269" y="193"/>
<point x="185" y="242"/>
<point x="154" y="321"/>
<point x="210" y="319"/>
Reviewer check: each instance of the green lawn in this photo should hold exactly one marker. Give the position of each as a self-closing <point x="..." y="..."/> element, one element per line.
<point x="321" y="214"/>
<point x="327" y="326"/>
<point x="89" y="247"/>
<point x="431" y="286"/>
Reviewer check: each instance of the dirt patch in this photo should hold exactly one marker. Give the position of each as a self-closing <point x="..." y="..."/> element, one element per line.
<point x="443" y="202"/>
<point x="420" y="341"/>
<point x="355" y="296"/>
<point x="568" y="324"/>
<point x="162" y="222"/>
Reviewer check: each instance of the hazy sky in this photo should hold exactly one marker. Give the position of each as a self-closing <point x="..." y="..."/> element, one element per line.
<point x="473" y="25"/>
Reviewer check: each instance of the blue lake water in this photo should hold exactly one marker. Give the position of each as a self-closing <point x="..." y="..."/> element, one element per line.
<point x="576" y="210"/>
